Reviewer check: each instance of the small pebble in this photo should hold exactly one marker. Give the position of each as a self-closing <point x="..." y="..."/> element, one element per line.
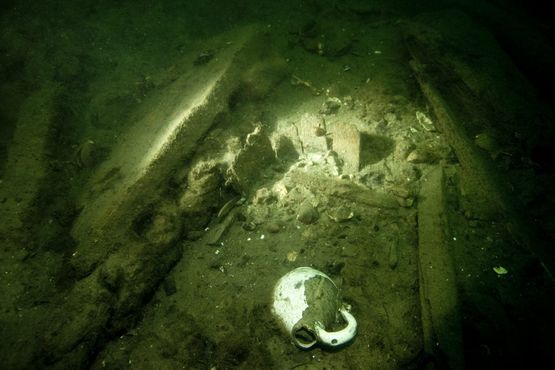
<point x="307" y="214"/>
<point x="273" y="227"/>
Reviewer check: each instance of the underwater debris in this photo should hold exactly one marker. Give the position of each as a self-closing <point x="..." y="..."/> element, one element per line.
<point x="425" y="122"/>
<point x="87" y="154"/>
<point x="312" y="132"/>
<point x="347" y="145"/>
<point x="296" y="81"/>
<point x="292" y="256"/>
<point x="341" y="214"/>
<point x="203" y="58"/>
<point x="227" y="207"/>
<point x="308" y="313"/>
<point x="422" y="155"/>
<point x="331" y="106"/>
<point x="307" y="214"/>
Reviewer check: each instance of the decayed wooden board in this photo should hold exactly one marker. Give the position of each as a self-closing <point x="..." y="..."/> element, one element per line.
<point x="455" y="107"/>
<point x="438" y="292"/>
<point x="26" y="164"/>
<point x="344" y="189"/>
<point x="168" y="129"/>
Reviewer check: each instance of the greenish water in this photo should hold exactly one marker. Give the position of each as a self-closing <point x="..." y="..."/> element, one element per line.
<point x="163" y="164"/>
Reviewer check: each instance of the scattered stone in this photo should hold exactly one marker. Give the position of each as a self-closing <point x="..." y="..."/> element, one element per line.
<point x="349" y="102"/>
<point x="312" y="132"/>
<point x="373" y="179"/>
<point x="403" y="148"/>
<point x="263" y="196"/>
<point x="256" y="155"/>
<point x="425" y="122"/>
<point x="390" y="118"/>
<point x="331" y="106"/>
<point x="346" y="143"/>
<point x="249" y="226"/>
<point x="421" y="155"/>
<point x="292" y="256"/>
<point x="307" y="214"/>
<point x="280" y="190"/>
<point x="341" y="214"/>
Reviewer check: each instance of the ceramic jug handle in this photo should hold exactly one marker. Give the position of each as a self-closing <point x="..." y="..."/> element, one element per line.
<point x="339" y="337"/>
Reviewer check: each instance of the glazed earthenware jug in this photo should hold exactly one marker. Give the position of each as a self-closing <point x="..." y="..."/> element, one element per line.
<point x="307" y="303"/>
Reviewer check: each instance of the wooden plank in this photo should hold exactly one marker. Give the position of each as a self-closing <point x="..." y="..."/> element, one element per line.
<point x="481" y="180"/>
<point x="26" y="165"/>
<point x="170" y="124"/>
<point x="344" y="189"/>
<point x="441" y="320"/>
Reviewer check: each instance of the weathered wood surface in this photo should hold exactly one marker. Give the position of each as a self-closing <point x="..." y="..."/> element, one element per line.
<point x="166" y="132"/>
<point x="441" y="319"/>
<point x="464" y="105"/>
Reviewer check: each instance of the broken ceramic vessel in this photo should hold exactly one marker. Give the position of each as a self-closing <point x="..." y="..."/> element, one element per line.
<point x="306" y="301"/>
